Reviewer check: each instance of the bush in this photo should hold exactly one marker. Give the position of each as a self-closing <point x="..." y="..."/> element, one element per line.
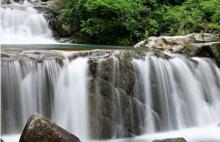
<point x="112" y="21"/>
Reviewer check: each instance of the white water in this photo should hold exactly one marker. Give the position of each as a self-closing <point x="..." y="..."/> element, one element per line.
<point x="22" y="24"/>
<point x="188" y="94"/>
<point x="71" y="98"/>
<point x="33" y="85"/>
<point x="27" y="88"/>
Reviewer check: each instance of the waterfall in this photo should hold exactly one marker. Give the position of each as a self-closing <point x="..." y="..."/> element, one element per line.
<point x="186" y="93"/>
<point x="22" y="24"/>
<point x="71" y="97"/>
<point x="26" y="87"/>
<point x="108" y="97"/>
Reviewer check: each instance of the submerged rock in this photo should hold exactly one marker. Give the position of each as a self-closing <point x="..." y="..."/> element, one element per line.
<point x="171" y="140"/>
<point x="40" y="129"/>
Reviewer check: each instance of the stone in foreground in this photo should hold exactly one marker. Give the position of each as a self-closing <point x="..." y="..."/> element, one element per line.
<point x="171" y="140"/>
<point x="40" y="129"/>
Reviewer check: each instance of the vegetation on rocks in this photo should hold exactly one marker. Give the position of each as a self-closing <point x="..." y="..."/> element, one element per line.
<point x="126" y="22"/>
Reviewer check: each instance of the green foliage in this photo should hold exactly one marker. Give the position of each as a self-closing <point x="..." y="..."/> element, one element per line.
<point x="189" y="17"/>
<point x="66" y="18"/>
<point x="112" y="21"/>
<point x="128" y="21"/>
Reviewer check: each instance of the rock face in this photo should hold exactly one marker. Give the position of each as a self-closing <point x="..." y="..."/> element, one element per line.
<point x="171" y="140"/>
<point x="175" y="43"/>
<point x="41" y="129"/>
<point x="116" y="91"/>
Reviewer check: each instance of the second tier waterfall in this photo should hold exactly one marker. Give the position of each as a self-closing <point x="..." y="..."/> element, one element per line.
<point x="110" y="95"/>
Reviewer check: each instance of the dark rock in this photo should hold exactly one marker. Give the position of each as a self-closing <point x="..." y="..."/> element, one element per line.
<point x="40" y="129"/>
<point x="210" y="50"/>
<point x="1" y="140"/>
<point x="171" y="140"/>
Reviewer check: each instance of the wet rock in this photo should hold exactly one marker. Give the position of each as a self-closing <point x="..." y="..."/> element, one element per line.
<point x="40" y="129"/>
<point x="210" y="50"/>
<point x="171" y="140"/>
<point x="113" y="93"/>
<point x="1" y="140"/>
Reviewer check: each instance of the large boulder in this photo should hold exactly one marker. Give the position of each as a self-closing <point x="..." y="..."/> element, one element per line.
<point x="40" y="129"/>
<point x="171" y="140"/>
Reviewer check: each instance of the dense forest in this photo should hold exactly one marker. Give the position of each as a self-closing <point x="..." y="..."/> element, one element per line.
<point x="125" y="22"/>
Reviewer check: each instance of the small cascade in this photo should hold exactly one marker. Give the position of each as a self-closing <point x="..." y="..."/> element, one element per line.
<point x="22" y="24"/>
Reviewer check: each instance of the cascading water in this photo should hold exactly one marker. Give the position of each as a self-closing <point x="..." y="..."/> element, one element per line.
<point x="179" y="93"/>
<point x="22" y="24"/>
<point x="112" y="97"/>
<point x="27" y="87"/>
<point x="71" y="98"/>
<point x="56" y="88"/>
<point x="104" y="94"/>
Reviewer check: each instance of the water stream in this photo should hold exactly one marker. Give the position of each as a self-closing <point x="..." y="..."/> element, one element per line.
<point x="103" y="95"/>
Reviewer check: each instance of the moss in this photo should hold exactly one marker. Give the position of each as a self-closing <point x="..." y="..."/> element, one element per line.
<point x="106" y="69"/>
<point x="128" y="77"/>
<point x="187" y="50"/>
